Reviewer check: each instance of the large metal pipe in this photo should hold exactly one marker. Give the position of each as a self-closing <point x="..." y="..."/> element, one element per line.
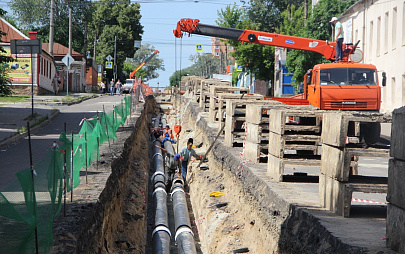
<point x="184" y="235"/>
<point x="161" y="234"/>
<point x="158" y="163"/>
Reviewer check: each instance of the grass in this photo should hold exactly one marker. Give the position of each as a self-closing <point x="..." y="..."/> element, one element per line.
<point x="68" y="98"/>
<point x="54" y="111"/>
<point x="31" y="117"/>
<point x="34" y="123"/>
<point x="14" y="99"/>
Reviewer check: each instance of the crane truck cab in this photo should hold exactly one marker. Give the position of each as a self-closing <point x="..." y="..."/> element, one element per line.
<point x="346" y="86"/>
<point x="343" y="86"/>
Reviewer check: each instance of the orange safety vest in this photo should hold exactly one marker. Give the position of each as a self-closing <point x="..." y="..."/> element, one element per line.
<point x="169" y="132"/>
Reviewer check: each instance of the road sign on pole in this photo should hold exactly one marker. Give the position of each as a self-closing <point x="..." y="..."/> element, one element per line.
<point x="108" y="65"/>
<point x="198" y="47"/>
<point x="109" y="58"/>
<point x="68" y="60"/>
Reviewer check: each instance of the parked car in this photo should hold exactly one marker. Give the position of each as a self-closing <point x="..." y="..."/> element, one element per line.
<point x="127" y="87"/>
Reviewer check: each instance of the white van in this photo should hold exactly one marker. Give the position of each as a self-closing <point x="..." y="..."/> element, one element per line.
<point x="127" y="87"/>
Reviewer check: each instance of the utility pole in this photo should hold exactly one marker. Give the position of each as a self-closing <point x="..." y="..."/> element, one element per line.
<point x="52" y="27"/>
<point x="115" y="58"/>
<point x="70" y="48"/>
<point x="70" y="30"/>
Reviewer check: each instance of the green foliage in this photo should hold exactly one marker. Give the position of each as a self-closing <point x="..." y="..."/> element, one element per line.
<point x="266" y="13"/>
<point x="120" y="19"/>
<point x="235" y="77"/>
<point x="318" y="27"/>
<point x="204" y="65"/>
<point x="256" y="58"/>
<point x="5" y="81"/>
<point x="149" y="70"/>
<point x="14" y="99"/>
<point x="176" y="77"/>
<point x="35" y="15"/>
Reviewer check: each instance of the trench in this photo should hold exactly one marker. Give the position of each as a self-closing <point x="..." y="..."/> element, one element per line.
<point x="249" y="217"/>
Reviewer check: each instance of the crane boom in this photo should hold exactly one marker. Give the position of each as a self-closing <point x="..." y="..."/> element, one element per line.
<point x="142" y="64"/>
<point x="326" y="48"/>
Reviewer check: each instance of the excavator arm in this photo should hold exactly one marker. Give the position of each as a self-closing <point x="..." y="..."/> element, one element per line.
<point x="131" y="76"/>
<point x="326" y="48"/>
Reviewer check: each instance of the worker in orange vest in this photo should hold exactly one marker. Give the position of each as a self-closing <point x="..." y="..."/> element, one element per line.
<point x="168" y="135"/>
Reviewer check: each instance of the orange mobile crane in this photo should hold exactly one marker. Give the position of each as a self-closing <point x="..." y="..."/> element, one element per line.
<point x="344" y="85"/>
<point x="131" y="76"/>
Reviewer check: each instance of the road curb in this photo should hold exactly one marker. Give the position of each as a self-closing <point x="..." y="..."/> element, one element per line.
<point x="16" y="138"/>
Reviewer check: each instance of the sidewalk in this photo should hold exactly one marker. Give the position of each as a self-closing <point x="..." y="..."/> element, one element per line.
<point x="14" y="116"/>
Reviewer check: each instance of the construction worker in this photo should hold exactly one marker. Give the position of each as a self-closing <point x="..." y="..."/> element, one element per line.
<point x="168" y="135"/>
<point x="186" y="154"/>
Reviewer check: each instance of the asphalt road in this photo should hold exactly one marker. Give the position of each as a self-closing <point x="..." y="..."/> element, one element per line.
<point x="16" y="157"/>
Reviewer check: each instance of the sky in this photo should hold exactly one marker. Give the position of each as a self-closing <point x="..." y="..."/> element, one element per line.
<point x="160" y="17"/>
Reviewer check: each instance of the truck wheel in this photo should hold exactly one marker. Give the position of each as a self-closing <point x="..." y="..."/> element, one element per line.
<point x="370" y="132"/>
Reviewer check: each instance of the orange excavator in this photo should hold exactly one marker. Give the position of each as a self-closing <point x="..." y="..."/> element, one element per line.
<point x="344" y="85"/>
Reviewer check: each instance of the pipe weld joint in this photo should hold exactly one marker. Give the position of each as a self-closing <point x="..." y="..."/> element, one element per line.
<point x="158" y="173"/>
<point x="159" y="189"/>
<point x="156" y="154"/>
<point x="181" y="230"/>
<point x="176" y="190"/>
<point x="161" y="228"/>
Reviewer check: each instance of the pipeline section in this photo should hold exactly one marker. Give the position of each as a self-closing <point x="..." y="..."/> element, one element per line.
<point x="161" y="234"/>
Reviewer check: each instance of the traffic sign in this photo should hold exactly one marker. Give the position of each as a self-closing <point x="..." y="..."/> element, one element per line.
<point x="109" y="58"/>
<point x="108" y="65"/>
<point x="198" y="47"/>
<point x="67" y="59"/>
<point x="25" y="46"/>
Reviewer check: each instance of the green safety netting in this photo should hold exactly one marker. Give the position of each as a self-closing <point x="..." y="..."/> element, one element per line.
<point x="28" y="206"/>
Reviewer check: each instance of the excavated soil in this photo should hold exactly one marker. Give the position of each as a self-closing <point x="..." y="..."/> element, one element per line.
<point x="116" y="221"/>
<point x="109" y="214"/>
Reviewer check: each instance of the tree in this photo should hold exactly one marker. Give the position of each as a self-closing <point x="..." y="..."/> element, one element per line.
<point x="5" y="89"/>
<point x="120" y="20"/>
<point x="149" y="71"/>
<point x="175" y="78"/>
<point x="35" y="15"/>
<point x="204" y="65"/>
<point x="318" y="27"/>
<point x="258" y="59"/>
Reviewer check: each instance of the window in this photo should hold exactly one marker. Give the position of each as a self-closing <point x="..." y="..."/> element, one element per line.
<point x="387" y="15"/>
<point x="216" y="39"/>
<point x="393" y="92"/>
<point x="394" y="28"/>
<point x="403" y="89"/>
<point x="370" y="43"/>
<point x="230" y="47"/>
<point x="216" y="46"/>
<point x="216" y="53"/>
<point x="378" y="35"/>
<point x="403" y="24"/>
<point x="348" y="76"/>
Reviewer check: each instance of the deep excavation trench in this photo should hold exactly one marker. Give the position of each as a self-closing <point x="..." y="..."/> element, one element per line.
<point x="122" y="220"/>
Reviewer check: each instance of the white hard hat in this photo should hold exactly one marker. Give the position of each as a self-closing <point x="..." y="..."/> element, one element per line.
<point x="333" y="19"/>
